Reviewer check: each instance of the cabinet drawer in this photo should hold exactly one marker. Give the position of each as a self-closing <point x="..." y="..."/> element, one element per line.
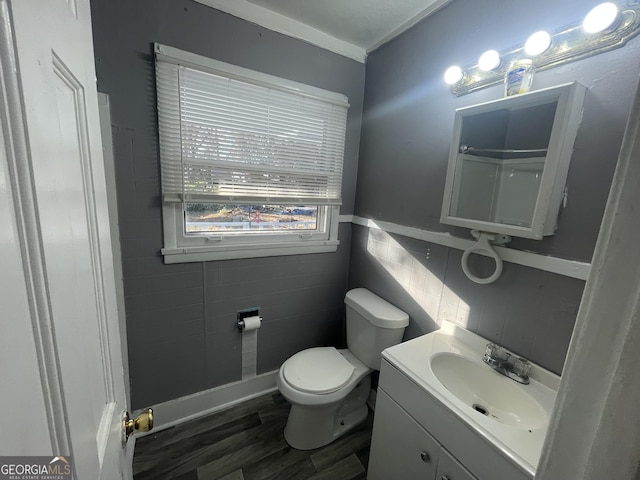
<point x="450" y="469"/>
<point x="400" y="448"/>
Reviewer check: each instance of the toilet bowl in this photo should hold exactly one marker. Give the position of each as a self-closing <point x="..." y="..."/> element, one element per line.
<point x="328" y="388"/>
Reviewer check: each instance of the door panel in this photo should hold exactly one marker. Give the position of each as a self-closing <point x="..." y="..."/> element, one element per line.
<point x="19" y="369"/>
<point x="82" y="356"/>
<point x="413" y="454"/>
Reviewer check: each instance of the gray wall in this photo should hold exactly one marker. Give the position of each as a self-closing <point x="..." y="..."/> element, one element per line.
<point x="409" y="112"/>
<point x="407" y="128"/>
<point x="529" y="311"/>
<point x="181" y="318"/>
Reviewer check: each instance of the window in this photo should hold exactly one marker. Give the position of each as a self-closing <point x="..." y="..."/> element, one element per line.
<point x="251" y="163"/>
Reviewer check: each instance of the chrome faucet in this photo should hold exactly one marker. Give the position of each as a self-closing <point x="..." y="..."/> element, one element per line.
<point x="498" y="358"/>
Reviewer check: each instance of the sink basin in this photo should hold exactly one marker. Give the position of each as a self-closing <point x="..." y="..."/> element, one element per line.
<point x="487" y="392"/>
<point x="468" y="400"/>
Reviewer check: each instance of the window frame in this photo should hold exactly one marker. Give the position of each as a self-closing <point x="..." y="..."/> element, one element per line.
<point x="181" y="247"/>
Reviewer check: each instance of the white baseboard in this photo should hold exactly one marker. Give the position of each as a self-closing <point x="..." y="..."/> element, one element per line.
<point x="180" y="410"/>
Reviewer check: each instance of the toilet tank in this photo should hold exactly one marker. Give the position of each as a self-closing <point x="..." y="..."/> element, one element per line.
<point x="373" y="324"/>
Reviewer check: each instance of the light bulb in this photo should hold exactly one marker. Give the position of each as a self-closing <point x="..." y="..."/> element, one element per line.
<point x="489" y="60"/>
<point x="453" y="75"/>
<point x="537" y="43"/>
<point x="600" y="17"/>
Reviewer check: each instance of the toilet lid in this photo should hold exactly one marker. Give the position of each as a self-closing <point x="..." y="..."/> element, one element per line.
<point x="317" y="370"/>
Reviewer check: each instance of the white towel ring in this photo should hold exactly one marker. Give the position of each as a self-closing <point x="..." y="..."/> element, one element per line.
<point x="483" y="245"/>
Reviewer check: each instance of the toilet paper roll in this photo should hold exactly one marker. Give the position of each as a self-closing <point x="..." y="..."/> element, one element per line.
<point x="250" y="346"/>
<point x="251" y="323"/>
<point x="249" y="354"/>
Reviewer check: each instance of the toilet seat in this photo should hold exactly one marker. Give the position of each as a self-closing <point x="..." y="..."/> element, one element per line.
<point x="320" y="370"/>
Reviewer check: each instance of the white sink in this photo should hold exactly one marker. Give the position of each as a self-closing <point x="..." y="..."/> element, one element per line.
<point x="447" y="364"/>
<point x="487" y="392"/>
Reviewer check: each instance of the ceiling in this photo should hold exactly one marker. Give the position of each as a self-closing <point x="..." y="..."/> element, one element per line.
<point x="349" y="27"/>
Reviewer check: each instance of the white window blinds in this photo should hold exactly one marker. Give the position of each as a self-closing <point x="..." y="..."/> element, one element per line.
<point x="230" y="135"/>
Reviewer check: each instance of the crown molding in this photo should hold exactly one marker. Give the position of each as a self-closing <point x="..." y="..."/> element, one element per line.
<point x="429" y="10"/>
<point x="279" y="23"/>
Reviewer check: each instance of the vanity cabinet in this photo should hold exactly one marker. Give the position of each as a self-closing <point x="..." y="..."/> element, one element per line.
<point x="416" y="437"/>
<point x="401" y="448"/>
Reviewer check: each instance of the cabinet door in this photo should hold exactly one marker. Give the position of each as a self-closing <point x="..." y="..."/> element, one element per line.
<point x="509" y="160"/>
<point x="450" y="469"/>
<point x="400" y="448"/>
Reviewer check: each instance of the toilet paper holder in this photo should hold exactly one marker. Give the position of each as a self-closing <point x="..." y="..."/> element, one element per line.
<point x="247" y="314"/>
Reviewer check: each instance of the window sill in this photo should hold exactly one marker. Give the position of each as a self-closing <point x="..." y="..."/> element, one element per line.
<point x="230" y="252"/>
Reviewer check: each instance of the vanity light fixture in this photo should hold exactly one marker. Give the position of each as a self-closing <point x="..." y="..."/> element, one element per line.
<point x="600" y="17"/>
<point x="453" y="75"/>
<point x="537" y="43"/>
<point x="608" y="26"/>
<point x="489" y="60"/>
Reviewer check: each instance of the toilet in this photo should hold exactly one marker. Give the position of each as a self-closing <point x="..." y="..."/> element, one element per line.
<point x="328" y="388"/>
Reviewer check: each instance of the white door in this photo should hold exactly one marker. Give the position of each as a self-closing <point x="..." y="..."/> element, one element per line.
<point x="61" y="355"/>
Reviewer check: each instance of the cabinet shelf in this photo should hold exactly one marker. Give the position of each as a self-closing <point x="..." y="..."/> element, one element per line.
<point x="506" y="151"/>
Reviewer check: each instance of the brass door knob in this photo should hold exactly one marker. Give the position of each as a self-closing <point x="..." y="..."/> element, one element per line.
<point x="142" y="423"/>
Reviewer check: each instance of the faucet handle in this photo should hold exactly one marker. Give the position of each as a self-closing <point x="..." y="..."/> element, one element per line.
<point x="496" y="352"/>
<point x="491" y="350"/>
<point x="521" y="367"/>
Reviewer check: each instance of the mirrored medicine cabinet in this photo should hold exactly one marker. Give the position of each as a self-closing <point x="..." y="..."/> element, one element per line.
<point x="509" y="160"/>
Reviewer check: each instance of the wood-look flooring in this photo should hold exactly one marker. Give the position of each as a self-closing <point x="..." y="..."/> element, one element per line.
<point x="246" y="442"/>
